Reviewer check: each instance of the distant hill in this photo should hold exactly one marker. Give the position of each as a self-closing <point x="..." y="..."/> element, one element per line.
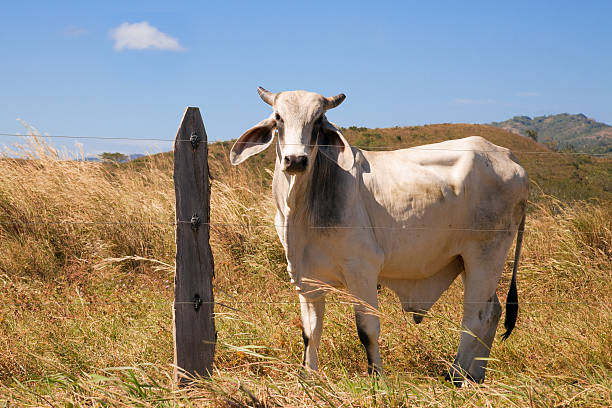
<point x="564" y="131"/>
<point x="124" y="159"/>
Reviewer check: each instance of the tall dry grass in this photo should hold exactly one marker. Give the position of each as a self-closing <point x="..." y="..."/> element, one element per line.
<point x="86" y="255"/>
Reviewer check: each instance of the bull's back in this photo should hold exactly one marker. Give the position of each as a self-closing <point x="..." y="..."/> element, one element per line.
<point x="425" y="203"/>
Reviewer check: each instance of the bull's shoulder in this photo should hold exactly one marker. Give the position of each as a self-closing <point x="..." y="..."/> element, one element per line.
<point x="400" y="179"/>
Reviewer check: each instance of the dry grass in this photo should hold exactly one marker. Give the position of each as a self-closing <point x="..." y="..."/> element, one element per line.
<point x="77" y="328"/>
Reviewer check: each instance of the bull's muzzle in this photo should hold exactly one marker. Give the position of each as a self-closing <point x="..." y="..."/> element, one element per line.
<point x="295" y="164"/>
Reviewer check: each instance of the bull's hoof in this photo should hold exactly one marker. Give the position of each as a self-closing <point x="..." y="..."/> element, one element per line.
<point x="456" y="378"/>
<point x="375" y="371"/>
<point x="307" y="373"/>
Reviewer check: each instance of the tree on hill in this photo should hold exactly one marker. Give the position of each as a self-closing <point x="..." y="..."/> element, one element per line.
<point x="551" y="143"/>
<point x="532" y="134"/>
<point x="113" y="157"/>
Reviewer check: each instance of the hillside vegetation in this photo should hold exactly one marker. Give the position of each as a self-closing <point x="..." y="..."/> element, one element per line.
<point x="566" y="176"/>
<point x="564" y="131"/>
<point x="86" y="271"/>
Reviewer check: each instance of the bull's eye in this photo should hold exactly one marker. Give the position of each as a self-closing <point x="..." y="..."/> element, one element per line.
<point x="277" y="116"/>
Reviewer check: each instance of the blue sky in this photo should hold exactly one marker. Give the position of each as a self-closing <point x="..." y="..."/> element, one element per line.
<point x="399" y="63"/>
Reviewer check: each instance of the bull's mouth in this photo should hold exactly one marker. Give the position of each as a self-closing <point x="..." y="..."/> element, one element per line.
<point x="294" y="172"/>
<point x="295" y="164"/>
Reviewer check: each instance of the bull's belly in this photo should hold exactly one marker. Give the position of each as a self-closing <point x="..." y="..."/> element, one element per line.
<point x="396" y="255"/>
<point x="418" y="257"/>
<point x="411" y="268"/>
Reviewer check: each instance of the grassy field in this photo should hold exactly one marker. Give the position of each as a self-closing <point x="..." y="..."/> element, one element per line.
<point x="86" y="271"/>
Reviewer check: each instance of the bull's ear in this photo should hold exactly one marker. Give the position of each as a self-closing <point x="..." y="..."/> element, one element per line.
<point x="253" y="141"/>
<point x="333" y="144"/>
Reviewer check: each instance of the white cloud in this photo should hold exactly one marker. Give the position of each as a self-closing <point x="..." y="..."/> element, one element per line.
<point x="142" y="36"/>
<point x="467" y="101"/>
<point x="527" y="93"/>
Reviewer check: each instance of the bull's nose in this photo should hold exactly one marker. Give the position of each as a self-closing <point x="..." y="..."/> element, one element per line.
<point x="295" y="164"/>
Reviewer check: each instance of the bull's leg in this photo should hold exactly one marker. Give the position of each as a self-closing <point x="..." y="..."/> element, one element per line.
<point x="491" y="314"/>
<point x="313" y="309"/>
<point x="481" y="312"/>
<point x="368" y="324"/>
<point x="368" y="329"/>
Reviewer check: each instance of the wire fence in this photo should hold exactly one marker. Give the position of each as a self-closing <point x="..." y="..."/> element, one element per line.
<point x="212" y="142"/>
<point x="337" y="302"/>
<point x="438" y="303"/>
<point x="242" y="304"/>
<point x="268" y="225"/>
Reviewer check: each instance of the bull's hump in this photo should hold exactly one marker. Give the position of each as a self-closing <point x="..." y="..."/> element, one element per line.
<point x="434" y="174"/>
<point x="444" y="158"/>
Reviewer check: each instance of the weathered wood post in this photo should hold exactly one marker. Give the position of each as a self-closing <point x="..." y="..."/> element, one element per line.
<point x="194" y="324"/>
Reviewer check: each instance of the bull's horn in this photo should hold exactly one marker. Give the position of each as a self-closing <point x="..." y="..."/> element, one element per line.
<point x="266" y="96"/>
<point x="334" y="101"/>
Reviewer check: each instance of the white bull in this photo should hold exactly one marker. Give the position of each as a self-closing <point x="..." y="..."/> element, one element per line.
<point x="410" y="219"/>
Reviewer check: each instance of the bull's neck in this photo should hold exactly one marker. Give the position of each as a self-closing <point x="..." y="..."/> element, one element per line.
<point x="291" y="190"/>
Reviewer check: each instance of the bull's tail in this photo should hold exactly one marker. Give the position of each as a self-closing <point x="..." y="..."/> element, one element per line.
<point x="512" y="299"/>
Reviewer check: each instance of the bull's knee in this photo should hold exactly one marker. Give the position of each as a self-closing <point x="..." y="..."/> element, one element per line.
<point x="483" y="317"/>
<point x="489" y="317"/>
<point x="496" y="308"/>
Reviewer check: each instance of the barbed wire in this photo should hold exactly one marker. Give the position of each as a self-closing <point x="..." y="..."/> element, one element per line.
<point x="423" y="147"/>
<point x="145" y="139"/>
<point x="346" y="302"/>
<point x="169" y="223"/>
<point x="327" y="301"/>
<point x="268" y="225"/>
<point x="389" y="148"/>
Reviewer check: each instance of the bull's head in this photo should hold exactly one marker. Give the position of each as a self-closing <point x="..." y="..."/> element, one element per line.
<point x="303" y="131"/>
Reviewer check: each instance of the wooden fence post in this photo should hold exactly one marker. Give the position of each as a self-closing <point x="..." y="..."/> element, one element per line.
<point x="193" y="320"/>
